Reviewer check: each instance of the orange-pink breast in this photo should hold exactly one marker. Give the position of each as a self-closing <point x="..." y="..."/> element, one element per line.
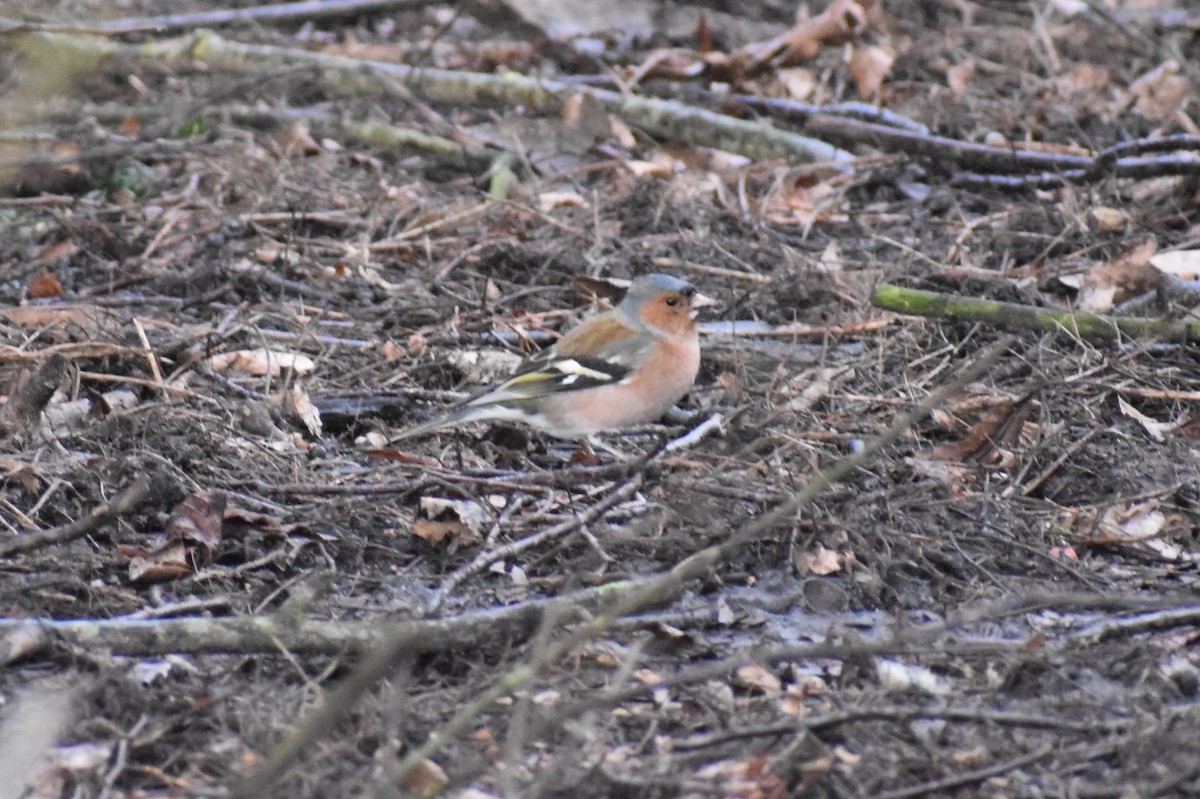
<point x="644" y="396"/>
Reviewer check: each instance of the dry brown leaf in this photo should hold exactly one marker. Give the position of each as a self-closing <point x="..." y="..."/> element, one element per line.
<point x="299" y="406"/>
<point x="436" y="532"/>
<point x="798" y="82"/>
<point x="1155" y="429"/>
<point x="976" y="756"/>
<point x="1161" y="92"/>
<point x="43" y="284"/>
<point x="294" y="141"/>
<point x="416" y="344"/>
<point x="704" y="41"/>
<point x="647" y="677"/>
<point x="196" y="522"/>
<point x="868" y="67"/>
<point x="660" y="167"/>
<point x="392" y="352"/>
<point x="425" y="778"/>
<point x="61" y="248"/>
<point x="262" y="361"/>
<point x="1128" y="275"/>
<point x="742" y="779"/>
<point x="159" y="565"/>
<point x="1109" y="220"/>
<point x="90" y="319"/>
<point x="841" y="22"/>
<point x="458" y="519"/>
<point x="960" y="76"/>
<point x="1002" y="428"/>
<point x="822" y="561"/>
<point x="549" y="200"/>
<point x="758" y="678"/>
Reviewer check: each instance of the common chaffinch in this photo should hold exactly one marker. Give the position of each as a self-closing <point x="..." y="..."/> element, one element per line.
<point x="619" y="368"/>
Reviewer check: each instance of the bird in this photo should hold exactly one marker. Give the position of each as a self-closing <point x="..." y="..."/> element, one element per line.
<point x="620" y="368"/>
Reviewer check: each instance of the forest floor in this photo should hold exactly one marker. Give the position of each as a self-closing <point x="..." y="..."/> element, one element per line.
<point x="234" y="262"/>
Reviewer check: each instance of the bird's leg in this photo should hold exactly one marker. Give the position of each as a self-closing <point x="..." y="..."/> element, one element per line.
<point x="587" y="455"/>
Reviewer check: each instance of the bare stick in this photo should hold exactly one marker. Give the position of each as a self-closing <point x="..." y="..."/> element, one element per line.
<point x="485" y="559"/>
<point x="308" y="9"/>
<point x="124" y="502"/>
<point x="1012" y="315"/>
<point x="25" y="638"/>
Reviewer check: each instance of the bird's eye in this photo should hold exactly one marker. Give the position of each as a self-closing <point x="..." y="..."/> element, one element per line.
<point x="672" y="301"/>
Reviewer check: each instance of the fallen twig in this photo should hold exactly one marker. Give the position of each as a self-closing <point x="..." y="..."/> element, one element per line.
<point x="301" y="11"/>
<point x="25" y="638"/>
<point x="1077" y="324"/>
<point x="352" y="76"/>
<point x="485" y="559"/>
<point x="124" y="502"/>
<point x="1015" y="166"/>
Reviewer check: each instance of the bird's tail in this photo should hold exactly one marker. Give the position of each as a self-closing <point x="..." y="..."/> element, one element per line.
<point x="433" y="425"/>
<point x="461" y="416"/>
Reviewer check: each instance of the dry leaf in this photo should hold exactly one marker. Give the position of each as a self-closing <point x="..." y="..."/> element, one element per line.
<point x="584" y="122"/>
<point x="822" y="561"/>
<point x="960" y="76"/>
<point x="90" y="319"/>
<point x="1161" y="92"/>
<point x="294" y="141"/>
<point x="262" y="362"/>
<point x="1155" y="429"/>
<point x="155" y="566"/>
<point x="43" y="284"/>
<point x="798" y="82"/>
<point x="435" y="532"/>
<point x="896" y="676"/>
<point x="62" y="248"/>
<point x="868" y="67"/>
<point x="990" y="441"/>
<point x="647" y="677"/>
<point x="425" y="778"/>
<point x="1128" y="275"/>
<point x="704" y="42"/>
<point x="744" y="779"/>
<point x="299" y="406"/>
<point x="1109" y="220"/>
<point x="450" y="518"/>
<point x="549" y="200"/>
<point x="1182" y="264"/>
<point x="840" y="23"/>
<point x="758" y="678"/>
<point x="197" y="522"/>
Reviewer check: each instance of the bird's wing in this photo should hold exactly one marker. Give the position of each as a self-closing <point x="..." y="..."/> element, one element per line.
<point x="605" y="338"/>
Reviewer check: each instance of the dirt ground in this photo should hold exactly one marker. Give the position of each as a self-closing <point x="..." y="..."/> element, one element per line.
<point x="221" y="294"/>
